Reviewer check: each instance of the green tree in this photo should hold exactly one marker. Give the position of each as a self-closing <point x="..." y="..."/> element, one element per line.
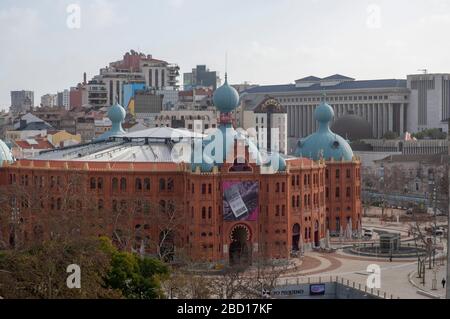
<point x="136" y="277"/>
<point x="39" y="272"/>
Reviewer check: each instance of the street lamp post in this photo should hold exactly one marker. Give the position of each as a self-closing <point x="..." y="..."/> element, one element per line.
<point x="447" y="295"/>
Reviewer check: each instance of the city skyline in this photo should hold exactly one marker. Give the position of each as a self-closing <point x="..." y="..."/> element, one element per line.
<point x="274" y="44"/>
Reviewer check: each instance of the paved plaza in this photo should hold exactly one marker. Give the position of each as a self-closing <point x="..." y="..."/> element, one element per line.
<point x="398" y="277"/>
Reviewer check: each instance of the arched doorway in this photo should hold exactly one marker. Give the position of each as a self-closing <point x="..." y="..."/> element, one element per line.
<point x="316" y="234"/>
<point x="296" y="237"/>
<point x="240" y="247"/>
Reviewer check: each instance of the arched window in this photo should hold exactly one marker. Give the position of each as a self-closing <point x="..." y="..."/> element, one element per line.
<point x="123" y="184"/>
<point x="338" y="193"/>
<point x="203" y="212"/>
<point x="115" y="184"/>
<point x="93" y="183"/>
<point x="170" y="184"/>
<point x="162" y="184"/>
<point x="58" y="203"/>
<point x="338" y="224"/>
<point x="138" y="184"/>
<point x="293" y="201"/>
<point x="147" y="184"/>
<point x="114" y="205"/>
<point x="298" y="201"/>
<point x="100" y="183"/>
<point x="209" y="212"/>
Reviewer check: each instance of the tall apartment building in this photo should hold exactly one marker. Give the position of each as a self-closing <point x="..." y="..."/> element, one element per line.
<point x="79" y="96"/>
<point x="430" y="101"/>
<point x="201" y="76"/>
<point x="136" y="68"/>
<point x="49" y="100"/>
<point x="97" y="93"/>
<point x="22" y="101"/>
<point x="64" y="99"/>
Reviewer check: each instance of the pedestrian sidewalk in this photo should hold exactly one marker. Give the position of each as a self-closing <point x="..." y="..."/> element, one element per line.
<point x="438" y="273"/>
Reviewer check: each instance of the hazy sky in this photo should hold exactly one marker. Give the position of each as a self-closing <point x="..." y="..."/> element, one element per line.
<point x="268" y="41"/>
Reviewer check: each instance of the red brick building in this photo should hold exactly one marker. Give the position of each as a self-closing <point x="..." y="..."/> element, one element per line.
<point x="230" y="211"/>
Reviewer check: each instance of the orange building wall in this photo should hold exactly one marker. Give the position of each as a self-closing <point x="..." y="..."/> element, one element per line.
<point x="300" y="198"/>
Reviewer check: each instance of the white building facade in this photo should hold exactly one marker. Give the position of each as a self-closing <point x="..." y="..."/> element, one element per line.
<point x="383" y="103"/>
<point x="429" y="101"/>
<point x="49" y="100"/>
<point x="268" y="122"/>
<point x="200" y="121"/>
<point x="389" y="105"/>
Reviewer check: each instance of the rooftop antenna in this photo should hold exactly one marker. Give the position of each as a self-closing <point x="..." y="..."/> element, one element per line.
<point x="424" y="71"/>
<point x="226" y="66"/>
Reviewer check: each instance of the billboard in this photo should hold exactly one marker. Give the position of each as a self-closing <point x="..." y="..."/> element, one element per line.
<point x="240" y="200"/>
<point x="317" y="289"/>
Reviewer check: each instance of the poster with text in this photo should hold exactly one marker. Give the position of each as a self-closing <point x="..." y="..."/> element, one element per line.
<point x="240" y="200"/>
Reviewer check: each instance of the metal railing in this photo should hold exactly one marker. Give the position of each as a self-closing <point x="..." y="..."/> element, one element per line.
<point x="378" y="293"/>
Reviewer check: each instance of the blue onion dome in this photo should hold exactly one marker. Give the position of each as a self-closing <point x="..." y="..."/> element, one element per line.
<point x="226" y="98"/>
<point x="116" y="113"/>
<point x="5" y="153"/>
<point x="324" y="144"/>
<point x="223" y="139"/>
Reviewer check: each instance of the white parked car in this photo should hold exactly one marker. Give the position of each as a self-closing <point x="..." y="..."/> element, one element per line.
<point x="367" y="232"/>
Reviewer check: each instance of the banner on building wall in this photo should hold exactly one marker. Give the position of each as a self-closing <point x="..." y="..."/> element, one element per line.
<point x="240" y="200"/>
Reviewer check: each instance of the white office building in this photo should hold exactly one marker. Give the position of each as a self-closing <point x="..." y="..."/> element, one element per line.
<point x="268" y="122"/>
<point x="429" y="101"/>
<point x="389" y="105"/>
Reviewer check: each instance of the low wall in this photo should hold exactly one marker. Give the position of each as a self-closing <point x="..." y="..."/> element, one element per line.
<point x="333" y="290"/>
